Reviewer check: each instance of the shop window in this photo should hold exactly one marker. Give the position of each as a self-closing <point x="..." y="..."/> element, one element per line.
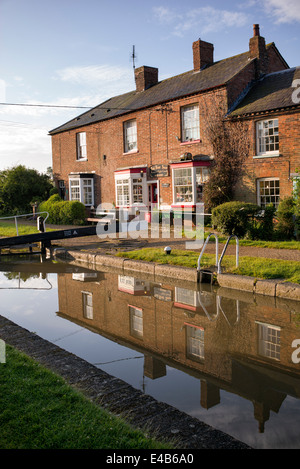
<point x="122" y="187"/>
<point x="183" y="185"/>
<point x="131" y="189"/>
<point x="137" y="184"/>
<point x="188" y="184"/>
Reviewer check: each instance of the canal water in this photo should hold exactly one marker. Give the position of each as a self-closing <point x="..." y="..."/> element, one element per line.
<point x="225" y="357"/>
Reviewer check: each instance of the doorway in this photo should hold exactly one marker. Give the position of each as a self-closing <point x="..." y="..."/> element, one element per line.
<point x="153" y="195"/>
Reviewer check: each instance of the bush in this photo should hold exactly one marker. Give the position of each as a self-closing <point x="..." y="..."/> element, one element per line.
<point x="234" y="218"/>
<point x="72" y="212"/>
<point x="63" y="212"/>
<point x="262" y="226"/>
<point x="286" y="218"/>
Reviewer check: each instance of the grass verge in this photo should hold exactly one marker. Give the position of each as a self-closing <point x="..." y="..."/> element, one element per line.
<point x="252" y="266"/>
<point x="39" y="411"/>
<point x="8" y="229"/>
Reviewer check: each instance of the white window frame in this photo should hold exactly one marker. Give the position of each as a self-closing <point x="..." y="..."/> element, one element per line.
<point x="81" y="146"/>
<point x="136" y="321"/>
<point x="129" y="179"/>
<point x="264" y="136"/>
<point x="269" y="340"/>
<point x="81" y="183"/>
<point x="130" y="136"/>
<point x="190" y="123"/>
<point x="87" y="305"/>
<point x="122" y="183"/>
<point x="259" y="195"/>
<point x="195" y="342"/>
<point x="194" y="187"/>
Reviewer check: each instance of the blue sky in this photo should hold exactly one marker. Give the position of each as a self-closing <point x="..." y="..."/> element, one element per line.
<point x="77" y="53"/>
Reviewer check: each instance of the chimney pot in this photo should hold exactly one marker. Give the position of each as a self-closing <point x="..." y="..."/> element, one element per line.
<point x="256" y="30"/>
<point x="258" y="51"/>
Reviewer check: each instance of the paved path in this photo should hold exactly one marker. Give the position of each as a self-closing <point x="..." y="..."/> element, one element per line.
<point x="93" y="243"/>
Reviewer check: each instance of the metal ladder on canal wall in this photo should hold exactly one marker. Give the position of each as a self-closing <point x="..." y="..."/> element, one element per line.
<point x="204" y="274"/>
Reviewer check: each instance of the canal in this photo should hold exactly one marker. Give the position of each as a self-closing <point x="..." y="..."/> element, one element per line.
<point x="225" y="357"/>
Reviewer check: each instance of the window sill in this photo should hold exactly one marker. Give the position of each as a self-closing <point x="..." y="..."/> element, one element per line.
<point x="132" y="152"/>
<point x="81" y="159"/>
<point x="267" y="155"/>
<point x="190" y="142"/>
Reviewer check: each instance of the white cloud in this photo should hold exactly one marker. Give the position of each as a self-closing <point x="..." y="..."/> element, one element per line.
<point x="287" y="11"/>
<point x="201" y="20"/>
<point x="164" y="15"/>
<point x="94" y="74"/>
<point x="24" y="145"/>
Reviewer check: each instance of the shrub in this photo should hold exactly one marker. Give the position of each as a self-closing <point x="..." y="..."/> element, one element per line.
<point x="286" y="218"/>
<point x="72" y="212"/>
<point x="63" y="212"/>
<point x="262" y="226"/>
<point x="234" y="218"/>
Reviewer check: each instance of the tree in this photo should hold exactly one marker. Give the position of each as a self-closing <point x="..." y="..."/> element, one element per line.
<point x="21" y="186"/>
<point x="230" y="144"/>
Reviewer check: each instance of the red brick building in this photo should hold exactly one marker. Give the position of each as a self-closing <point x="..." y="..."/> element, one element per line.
<point x="147" y="146"/>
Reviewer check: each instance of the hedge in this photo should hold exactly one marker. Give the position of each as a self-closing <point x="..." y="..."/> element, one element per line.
<point x="63" y="211"/>
<point x="234" y="218"/>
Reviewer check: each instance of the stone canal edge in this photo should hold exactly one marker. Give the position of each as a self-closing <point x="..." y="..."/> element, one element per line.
<point x="157" y="419"/>
<point x="159" y="272"/>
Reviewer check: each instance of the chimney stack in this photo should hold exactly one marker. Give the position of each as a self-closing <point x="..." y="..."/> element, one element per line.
<point x="145" y="77"/>
<point x="257" y="48"/>
<point x="203" y="54"/>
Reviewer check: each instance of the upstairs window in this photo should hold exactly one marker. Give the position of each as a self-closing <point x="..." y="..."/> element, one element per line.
<point x="267" y="137"/>
<point x="190" y="129"/>
<point x="136" y="322"/>
<point x="87" y="305"/>
<point x="130" y="136"/>
<point x="81" y="146"/>
<point x="195" y="342"/>
<point x="269" y="341"/>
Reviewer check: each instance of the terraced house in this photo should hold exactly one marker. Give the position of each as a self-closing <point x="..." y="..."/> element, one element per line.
<point x="147" y="146"/>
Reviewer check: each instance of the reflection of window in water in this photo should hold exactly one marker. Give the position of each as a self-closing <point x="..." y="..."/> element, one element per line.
<point x="269" y="341"/>
<point x="136" y="321"/>
<point x="87" y="305"/>
<point x="184" y="296"/>
<point x="195" y="342"/>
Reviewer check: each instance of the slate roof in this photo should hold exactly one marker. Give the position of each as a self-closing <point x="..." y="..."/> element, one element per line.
<point x="273" y="92"/>
<point x="188" y="83"/>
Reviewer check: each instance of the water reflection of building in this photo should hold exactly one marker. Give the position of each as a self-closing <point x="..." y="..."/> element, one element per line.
<point x="228" y="340"/>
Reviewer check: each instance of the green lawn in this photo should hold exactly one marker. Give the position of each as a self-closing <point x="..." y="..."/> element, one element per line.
<point x="256" y="267"/>
<point x="39" y="411"/>
<point x="9" y="229"/>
